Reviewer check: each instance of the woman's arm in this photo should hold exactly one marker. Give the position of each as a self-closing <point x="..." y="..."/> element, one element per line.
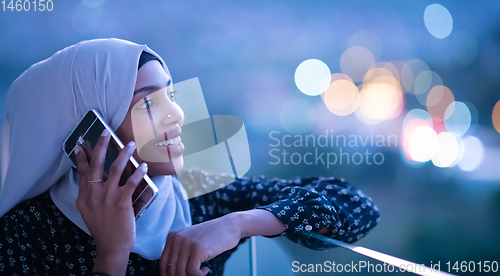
<point x="325" y="205"/>
<point x="258" y="222"/>
<point x="258" y="207"/>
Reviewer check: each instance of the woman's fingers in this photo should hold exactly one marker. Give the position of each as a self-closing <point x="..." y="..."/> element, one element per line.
<point x="83" y="167"/>
<point x="82" y="163"/>
<point x="182" y="261"/>
<point x="205" y="270"/>
<point x="98" y="156"/>
<point x="87" y="148"/>
<point x="116" y="169"/>
<point x="133" y="181"/>
<point x="193" y="265"/>
<point x="169" y="257"/>
<point x="163" y="259"/>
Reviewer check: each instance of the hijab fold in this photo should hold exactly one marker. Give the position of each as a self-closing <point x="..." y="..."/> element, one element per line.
<point x="45" y="104"/>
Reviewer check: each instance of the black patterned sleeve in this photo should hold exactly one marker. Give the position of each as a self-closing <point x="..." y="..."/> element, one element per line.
<point x="302" y="204"/>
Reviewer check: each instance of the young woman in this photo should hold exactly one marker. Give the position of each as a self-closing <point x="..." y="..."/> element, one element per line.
<point x="58" y="220"/>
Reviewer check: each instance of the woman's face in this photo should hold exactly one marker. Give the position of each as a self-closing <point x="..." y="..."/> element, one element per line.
<point x="154" y="122"/>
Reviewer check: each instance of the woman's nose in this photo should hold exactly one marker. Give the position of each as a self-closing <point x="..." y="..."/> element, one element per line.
<point x="172" y="114"/>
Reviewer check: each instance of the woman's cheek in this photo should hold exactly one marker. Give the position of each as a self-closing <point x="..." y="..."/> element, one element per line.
<point x="141" y="131"/>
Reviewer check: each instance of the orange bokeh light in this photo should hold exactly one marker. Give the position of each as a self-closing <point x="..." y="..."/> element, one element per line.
<point x="341" y="97"/>
<point x="496" y="116"/>
<point x="438" y="100"/>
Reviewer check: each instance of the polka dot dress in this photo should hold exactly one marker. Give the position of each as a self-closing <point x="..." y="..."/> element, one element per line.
<point x="37" y="239"/>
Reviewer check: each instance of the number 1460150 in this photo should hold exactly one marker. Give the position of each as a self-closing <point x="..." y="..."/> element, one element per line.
<point x="26" y="5"/>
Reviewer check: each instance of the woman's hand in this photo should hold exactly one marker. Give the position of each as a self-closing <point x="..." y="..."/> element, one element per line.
<point x="187" y="248"/>
<point x="106" y="207"/>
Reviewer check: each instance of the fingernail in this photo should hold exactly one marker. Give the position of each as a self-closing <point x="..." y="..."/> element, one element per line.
<point x="131" y="144"/>
<point x="144" y="167"/>
<point x="105" y="132"/>
<point x="77" y="150"/>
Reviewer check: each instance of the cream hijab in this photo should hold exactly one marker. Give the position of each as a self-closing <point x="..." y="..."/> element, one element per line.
<point x="44" y="105"/>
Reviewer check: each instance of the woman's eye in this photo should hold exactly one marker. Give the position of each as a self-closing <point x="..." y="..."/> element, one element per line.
<point x="171" y="95"/>
<point x="148" y="103"/>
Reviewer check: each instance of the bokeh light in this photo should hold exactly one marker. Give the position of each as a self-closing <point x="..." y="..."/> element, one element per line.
<point x="438" y="126"/>
<point x="365" y="120"/>
<point x="379" y="101"/>
<point x="392" y="68"/>
<point x="474" y="116"/>
<point x="312" y="77"/>
<point x="341" y="97"/>
<point x="496" y="116"/>
<point x="335" y="77"/>
<point x="461" y="149"/>
<point x="464" y="47"/>
<point x="409" y="127"/>
<point x="473" y="154"/>
<point x="422" y="144"/>
<point x="438" y="21"/>
<point x="405" y="156"/>
<point x="414" y="118"/>
<point x="375" y="73"/>
<point x="417" y="114"/>
<point x="457" y="118"/>
<point x="410" y="71"/>
<point x="297" y="116"/>
<point x="447" y="150"/>
<point x="422" y="82"/>
<point x="355" y="62"/>
<point x="438" y="100"/>
<point x="435" y="80"/>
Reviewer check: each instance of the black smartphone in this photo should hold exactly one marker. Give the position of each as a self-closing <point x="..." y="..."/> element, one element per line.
<point x="86" y="134"/>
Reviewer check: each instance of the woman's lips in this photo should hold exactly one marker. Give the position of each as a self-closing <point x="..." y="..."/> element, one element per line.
<point x="165" y="153"/>
<point x="169" y="142"/>
<point x="170" y="151"/>
<point x="164" y="147"/>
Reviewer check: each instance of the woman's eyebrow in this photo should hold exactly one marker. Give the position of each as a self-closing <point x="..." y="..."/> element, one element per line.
<point x="151" y="87"/>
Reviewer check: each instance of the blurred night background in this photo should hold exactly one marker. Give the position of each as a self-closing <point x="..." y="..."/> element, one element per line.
<point x="423" y="75"/>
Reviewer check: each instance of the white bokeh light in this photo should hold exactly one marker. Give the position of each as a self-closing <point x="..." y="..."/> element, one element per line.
<point x="409" y="72"/>
<point x="422" y="144"/>
<point x="447" y="150"/>
<point x="438" y="21"/>
<point x="312" y="77"/>
<point x="473" y="154"/>
<point x="417" y="114"/>
<point x="457" y="118"/>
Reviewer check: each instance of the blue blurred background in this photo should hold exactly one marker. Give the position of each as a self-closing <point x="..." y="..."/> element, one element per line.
<point x="437" y="189"/>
